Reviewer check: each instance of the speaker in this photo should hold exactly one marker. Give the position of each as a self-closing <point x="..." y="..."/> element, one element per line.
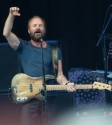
<point x="8" y="66"/>
<point x="64" y="102"/>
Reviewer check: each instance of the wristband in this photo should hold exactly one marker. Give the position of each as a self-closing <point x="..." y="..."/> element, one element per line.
<point x="67" y="83"/>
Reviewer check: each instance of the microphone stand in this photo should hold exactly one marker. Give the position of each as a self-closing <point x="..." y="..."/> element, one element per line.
<point x="104" y="48"/>
<point x="44" y="85"/>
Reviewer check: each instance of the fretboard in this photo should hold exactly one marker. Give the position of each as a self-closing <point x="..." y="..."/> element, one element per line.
<point x="64" y="87"/>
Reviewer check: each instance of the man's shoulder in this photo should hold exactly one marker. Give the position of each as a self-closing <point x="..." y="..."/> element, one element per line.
<point x="22" y="40"/>
<point x="23" y="44"/>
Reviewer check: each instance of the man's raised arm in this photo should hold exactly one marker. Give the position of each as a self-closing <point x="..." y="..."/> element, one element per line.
<point x="11" y="37"/>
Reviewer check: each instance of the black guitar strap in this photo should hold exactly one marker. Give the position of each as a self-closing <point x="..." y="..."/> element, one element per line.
<point x="54" y="51"/>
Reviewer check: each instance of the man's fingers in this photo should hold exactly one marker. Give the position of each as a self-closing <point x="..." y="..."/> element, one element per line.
<point x="14" y="8"/>
<point x="71" y="89"/>
<point x="18" y="14"/>
<point x="14" y="11"/>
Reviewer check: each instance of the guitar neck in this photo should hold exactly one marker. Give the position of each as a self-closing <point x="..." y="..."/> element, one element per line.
<point x="64" y="87"/>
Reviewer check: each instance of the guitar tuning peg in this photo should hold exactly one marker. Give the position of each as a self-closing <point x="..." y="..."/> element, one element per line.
<point x="97" y="79"/>
<point x="110" y="82"/>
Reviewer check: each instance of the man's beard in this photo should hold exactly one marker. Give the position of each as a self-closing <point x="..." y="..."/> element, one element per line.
<point x="38" y="38"/>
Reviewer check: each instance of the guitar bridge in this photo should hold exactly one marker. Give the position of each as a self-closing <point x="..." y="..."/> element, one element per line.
<point x="21" y="99"/>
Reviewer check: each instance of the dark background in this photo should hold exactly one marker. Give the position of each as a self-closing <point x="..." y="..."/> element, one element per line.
<point x="77" y="21"/>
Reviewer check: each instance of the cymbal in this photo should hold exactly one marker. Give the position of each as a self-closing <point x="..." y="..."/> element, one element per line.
<point x="106" y="36"/>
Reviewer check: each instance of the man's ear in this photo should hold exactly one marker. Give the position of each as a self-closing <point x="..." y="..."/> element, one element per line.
<point x="28" y="31"/>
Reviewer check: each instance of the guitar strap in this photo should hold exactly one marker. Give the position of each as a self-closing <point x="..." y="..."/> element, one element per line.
<point x="54" y="51"/>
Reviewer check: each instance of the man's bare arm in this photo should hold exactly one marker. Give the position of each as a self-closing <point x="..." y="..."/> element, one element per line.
<point x="11" y="37"/>
<point x="61" y="79"/>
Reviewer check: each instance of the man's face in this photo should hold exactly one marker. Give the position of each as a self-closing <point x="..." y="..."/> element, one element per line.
<point x="36" y="29"/>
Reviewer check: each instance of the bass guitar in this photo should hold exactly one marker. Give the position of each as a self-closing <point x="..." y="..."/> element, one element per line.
<point x="25" y="87"/>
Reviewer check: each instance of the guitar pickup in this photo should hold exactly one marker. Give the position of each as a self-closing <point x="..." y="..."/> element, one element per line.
<point x="31" y="88"/>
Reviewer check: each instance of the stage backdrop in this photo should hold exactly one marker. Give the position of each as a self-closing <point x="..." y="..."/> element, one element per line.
<point x="77" y="21"/>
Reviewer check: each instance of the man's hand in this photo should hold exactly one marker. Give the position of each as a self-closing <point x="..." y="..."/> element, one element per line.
<point x="14" y="11"/>
<point x="71" y="87"/>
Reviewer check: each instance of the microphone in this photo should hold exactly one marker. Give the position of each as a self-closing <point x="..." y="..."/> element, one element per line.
<point x="40" y="40"/>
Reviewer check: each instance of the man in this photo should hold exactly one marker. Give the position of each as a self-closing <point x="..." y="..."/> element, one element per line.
<point x="30" y="56"/>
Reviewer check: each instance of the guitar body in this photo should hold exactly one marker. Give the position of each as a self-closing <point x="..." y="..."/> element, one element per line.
<point x="25" y="87"/>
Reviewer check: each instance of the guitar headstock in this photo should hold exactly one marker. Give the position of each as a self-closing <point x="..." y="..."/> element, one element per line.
<point x="101" y="86"/>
